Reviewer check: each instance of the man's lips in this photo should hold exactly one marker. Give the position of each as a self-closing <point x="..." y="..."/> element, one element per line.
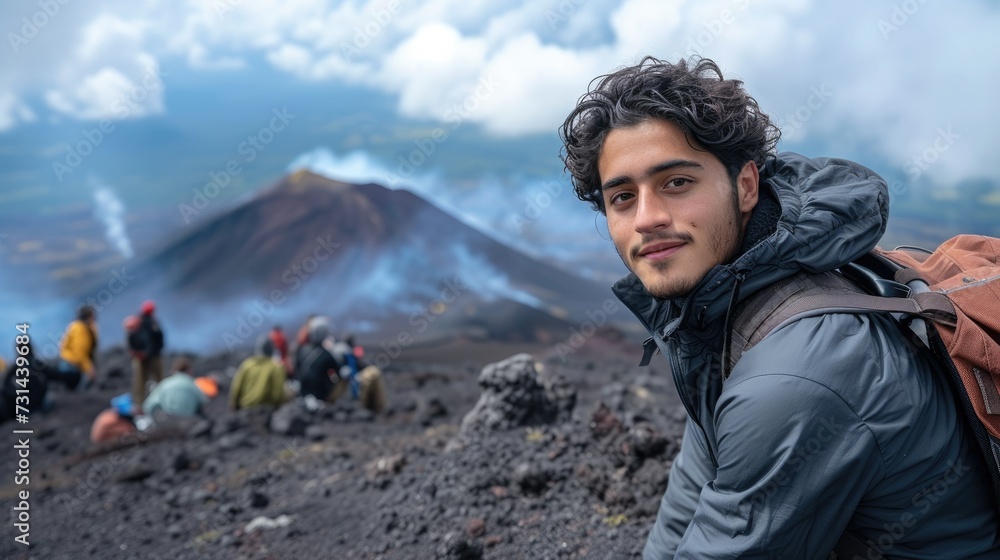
<point x="660" y="250"/>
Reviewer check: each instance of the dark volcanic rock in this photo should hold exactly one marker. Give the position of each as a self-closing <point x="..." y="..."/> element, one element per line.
<point x="457" y="547"/>
<point x="476" y="527"/>
<point x="530" y="477"/>
<point x="291" y="419"/>
<point x="315" y="433"/>
<point x="431" y="411"/>
<point x="512" y="396"/>
<point x="257" y="499"/>
<point x="202" y="428"/>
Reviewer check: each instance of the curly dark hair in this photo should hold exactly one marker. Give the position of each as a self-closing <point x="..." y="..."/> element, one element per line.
<point x="714" y="113"/>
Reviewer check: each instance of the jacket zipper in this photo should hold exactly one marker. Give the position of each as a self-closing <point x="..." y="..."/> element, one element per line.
<point x="683" y="394"/>
<point x="678" y="382"/>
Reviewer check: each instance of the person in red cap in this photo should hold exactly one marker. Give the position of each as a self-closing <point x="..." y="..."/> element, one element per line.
<point x="277" y="336"/>
<point x="145" y="343"/>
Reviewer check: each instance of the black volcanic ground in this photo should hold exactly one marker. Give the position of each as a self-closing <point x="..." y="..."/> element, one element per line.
<point x="566" y="462"/>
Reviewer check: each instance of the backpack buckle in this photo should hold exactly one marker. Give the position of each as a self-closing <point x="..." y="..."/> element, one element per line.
<point x="872" y="283"/>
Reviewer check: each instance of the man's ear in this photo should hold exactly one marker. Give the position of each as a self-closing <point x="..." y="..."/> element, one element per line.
<point x="748" y="187"/>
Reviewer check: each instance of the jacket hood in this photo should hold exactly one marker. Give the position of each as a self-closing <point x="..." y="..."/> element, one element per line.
<point x="832" y="211"/>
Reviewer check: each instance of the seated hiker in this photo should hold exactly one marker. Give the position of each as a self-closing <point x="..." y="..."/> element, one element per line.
<point x="364" y="381"/>
<point x="259" y="381"/>
<point x="177" y="395"/>
<point x="35" y="382"/>
<point x="78" y="348"/>
<point x="114" y="423"/>
<point x="318" y="370"/>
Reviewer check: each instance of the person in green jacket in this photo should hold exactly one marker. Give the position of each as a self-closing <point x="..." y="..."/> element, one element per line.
<point x="260" y="380"/>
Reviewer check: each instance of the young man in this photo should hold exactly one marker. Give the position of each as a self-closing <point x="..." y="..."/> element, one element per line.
<point x="831" y="427"/>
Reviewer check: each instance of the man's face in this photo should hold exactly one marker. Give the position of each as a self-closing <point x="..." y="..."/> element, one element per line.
<point x="672" y="210"/>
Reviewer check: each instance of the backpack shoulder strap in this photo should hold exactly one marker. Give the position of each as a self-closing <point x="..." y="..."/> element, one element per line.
<point x="771" y="306"/>
<point x="804" y="295"/>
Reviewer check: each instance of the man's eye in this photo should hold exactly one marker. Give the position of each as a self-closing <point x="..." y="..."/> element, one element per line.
<point x="678" y="183"/>
<point x="620" y="197"/>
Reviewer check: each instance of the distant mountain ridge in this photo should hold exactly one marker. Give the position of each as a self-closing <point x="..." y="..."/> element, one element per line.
<point x="377" y="260"/>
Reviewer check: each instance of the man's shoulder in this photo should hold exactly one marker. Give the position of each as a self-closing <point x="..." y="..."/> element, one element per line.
<point x="860" y="358"/>
<point x="823" y="338"/>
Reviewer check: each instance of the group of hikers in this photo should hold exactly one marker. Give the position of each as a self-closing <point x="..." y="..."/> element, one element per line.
<point x="322" y="369"/>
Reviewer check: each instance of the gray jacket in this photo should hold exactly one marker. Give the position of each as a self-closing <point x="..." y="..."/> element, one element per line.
<point x="831" y="423"/>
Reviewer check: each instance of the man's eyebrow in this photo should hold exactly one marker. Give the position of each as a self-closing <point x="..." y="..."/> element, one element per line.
<point x="658" y="168"/>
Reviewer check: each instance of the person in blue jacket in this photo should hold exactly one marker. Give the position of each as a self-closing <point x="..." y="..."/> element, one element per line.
<point x="832" y="427"/>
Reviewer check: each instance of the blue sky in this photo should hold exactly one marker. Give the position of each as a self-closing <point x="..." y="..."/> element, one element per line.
<point x="114" y="115"/>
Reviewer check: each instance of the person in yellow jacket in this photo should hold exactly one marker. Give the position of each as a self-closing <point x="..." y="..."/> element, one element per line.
<point x="78" y="347"/>
<point x="260" y="380"/>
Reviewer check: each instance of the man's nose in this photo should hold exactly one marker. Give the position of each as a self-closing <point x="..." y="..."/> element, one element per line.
<point x="651" y="213"/>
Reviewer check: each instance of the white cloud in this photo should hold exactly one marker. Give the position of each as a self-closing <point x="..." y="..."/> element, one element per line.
<point x="198" y="57"/>
<point x="432" y="69"/>
<point x="95" y="97"/>
<point x="519" y="106"/>
<point x="106" y="33"/>
<point x="13" y="111"/>
<point x="293" y="59"/>
<point x="897" y="72"/>
<point x="101" y="69"/>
